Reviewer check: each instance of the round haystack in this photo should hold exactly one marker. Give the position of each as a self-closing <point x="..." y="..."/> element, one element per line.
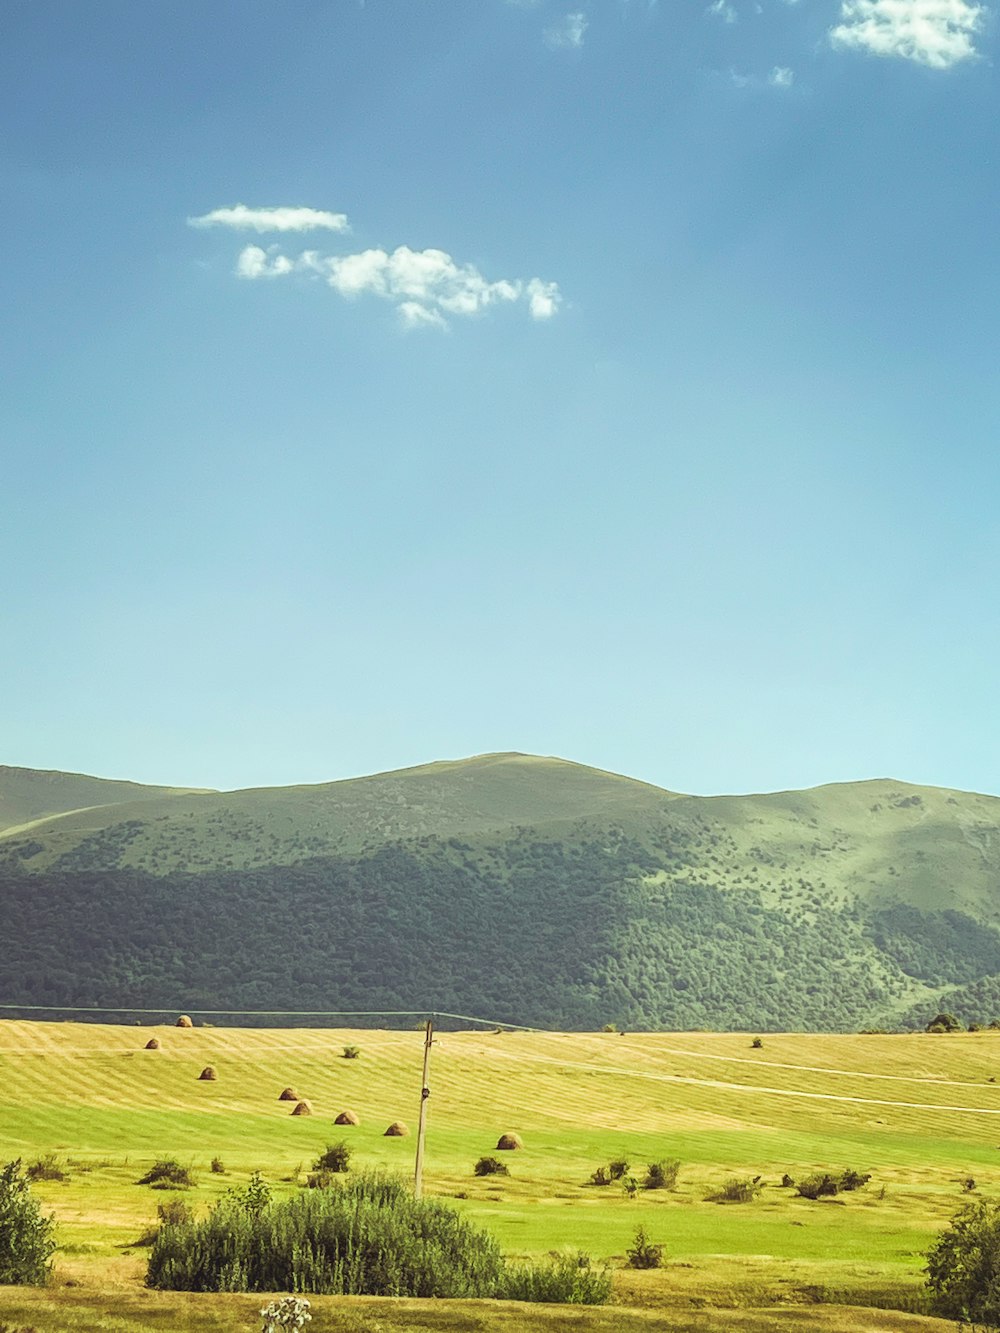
<point x="208" y="1074"/>
<point x="348" y="1118"/>
<point x="183" y="1022"/>
<point x="302" y="1108"/>
<point x="397" y="1130"/>
<point x="288" y="1095"/>
<point x="508" y="1142"/>
<point x="152" y="1045"/>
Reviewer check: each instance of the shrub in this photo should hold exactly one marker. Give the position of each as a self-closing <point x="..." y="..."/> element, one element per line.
<point x="618" y="1168"/>
<point x="571" y="1280"/>
<point x="963" y="1268"/>
<point x="853" y="1180"/>
<point x="166" y="1174"/>
<point x="288" y="1312"/>
<point x="944" y="1023"/>
<point x="662" y="1175"/>
<point x="26" y="1241"/>
<point x="601" y="1176"/>
<point x="756" y="1044"/>
<point x="351" y="1052"/>
<point x="490" y="1166"/>
<point x="643" y="1254"/>
<point x="217" y="1167"/>
<point x="337" y="1157"/>
<point x="828" y="1182"/>
<point x="787" y="1181"/>
<point x="368" y="1236"/>
<point x="739" y="1190"/>
<point x="46" y="1168"/>
<point x="817" y="1186"/>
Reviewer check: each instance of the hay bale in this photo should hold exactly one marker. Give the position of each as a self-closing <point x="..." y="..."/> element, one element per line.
<point x="397" y="1130"/>
<point x="288" y="1095"/>
<point x="152" y="1045"/>
<point x="302" y="1108"/>
<point x="208" y="1074"/>
<point x="508" y="1142"/>
<point x="348" y="1118"/>
<point x="183" y="1022"/>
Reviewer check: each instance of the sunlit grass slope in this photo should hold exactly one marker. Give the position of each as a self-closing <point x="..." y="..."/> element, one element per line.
<point x="919" y="1112"/>
<point x="282" y="825"/>
<point x="877" y="841"/>
<point x="30" y="794"/>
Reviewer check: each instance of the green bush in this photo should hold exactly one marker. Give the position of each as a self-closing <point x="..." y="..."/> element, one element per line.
<point x="618" y="1168"/>
<point x="367" y="1236"/>
<point x="46" y="1168"/>
<point x="662" y="1175"/>
<point x="490" y="1166"/>
<point x="817" y="1186"/>
<point x="337" y="1157"/>
<point x="217" y="1167"/>
<point x="166" y="1174"/>
<point x="739" y="1190"/>
<point x="963" y="1268"/>
<point x="825" y="1183"/>
<point x="571" y="1280"/>
<point x="643" y="1254"/>
<point x="351" y="1052"/>
<point x="26" y="1241"/>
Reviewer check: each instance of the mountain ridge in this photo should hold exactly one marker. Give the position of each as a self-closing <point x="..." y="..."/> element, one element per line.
<point x="541" y="888"/>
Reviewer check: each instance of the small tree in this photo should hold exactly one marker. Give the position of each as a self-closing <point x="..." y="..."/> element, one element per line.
<point x="337" y="1157"/>
<point x="944" y="1023"/>
<point x="26" y="1241"/>
<point x="643" y="1254"/>
<point x="662" y="1175"/>
<point x="963" y="1268"/>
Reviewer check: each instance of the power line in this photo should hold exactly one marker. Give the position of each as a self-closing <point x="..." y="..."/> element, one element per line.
<point x="272" y="1013"/>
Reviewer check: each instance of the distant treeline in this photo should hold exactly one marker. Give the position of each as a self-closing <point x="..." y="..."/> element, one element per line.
<point x="569" y="934"/>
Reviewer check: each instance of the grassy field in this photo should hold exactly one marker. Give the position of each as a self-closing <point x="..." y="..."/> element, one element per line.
<point x="917" y="1111"/>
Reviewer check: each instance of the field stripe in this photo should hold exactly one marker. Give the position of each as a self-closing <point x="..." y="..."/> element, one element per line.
<point x="807" y="1069"/>
<point x="744" y="1087"/>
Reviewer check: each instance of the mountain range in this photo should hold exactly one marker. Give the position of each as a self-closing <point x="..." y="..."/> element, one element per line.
<point x="519" y="888"/>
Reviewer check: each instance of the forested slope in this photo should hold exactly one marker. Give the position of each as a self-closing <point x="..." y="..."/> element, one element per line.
<point x="529" y="890"/>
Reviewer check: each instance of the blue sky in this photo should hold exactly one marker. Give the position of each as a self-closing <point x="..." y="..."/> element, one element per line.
<point x="411" y="379"/>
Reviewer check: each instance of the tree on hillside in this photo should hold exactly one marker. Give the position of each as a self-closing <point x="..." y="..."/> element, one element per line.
<point x="26" y="1242"/>
<point x="963" y="1268"/>
<point x="944" y="1023"/>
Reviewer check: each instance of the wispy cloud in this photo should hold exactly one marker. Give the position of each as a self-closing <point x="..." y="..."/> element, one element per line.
<point x="938" y="33"/>
<point x="426" y="286"/>
<point x="241" y="218"/>
<point x="722" y="9"/>
<point x="569" y="32"/>
<point x="781" y="77"/>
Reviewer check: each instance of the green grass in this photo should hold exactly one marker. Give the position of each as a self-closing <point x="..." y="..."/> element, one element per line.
<point x="108" y="1109"/>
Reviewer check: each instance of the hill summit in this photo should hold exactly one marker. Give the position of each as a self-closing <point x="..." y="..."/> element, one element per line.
<point x="522" y="888"/>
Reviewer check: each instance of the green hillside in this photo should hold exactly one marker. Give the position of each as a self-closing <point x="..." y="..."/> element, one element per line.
<point x="531" y="889"/>
<point x="30" y="794"/>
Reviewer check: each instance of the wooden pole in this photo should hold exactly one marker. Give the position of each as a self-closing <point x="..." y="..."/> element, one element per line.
<point x="425" y="1092"/>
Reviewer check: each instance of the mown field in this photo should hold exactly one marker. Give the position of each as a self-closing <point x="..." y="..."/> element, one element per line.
<point x="919" y="1112"/>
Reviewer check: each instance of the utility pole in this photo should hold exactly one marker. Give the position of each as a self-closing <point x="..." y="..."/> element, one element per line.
<point x="425" y="1092"/>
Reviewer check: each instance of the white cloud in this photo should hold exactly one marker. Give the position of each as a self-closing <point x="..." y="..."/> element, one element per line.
<point x="722" y="9"/>
<point x="781" y="77"/>
<point x="426" y="286"/>
<point x="938" y="33"/>
<point x="416" y="316"/>
<point x="569" y="32"/>
<point x="256" y="263"/>
<point x="271" y="219"/>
